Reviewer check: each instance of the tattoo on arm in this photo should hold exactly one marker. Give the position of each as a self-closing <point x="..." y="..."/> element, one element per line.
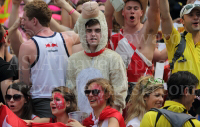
<point x="21" y="76"/>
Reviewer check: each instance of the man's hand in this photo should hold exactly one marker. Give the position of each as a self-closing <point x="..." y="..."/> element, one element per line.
<point x="17" y="23"/>
<point x="26" y="1"/>
<point x="28" y="122"/>
<point x="74" y="123"/>
<point x="13" y="28"/>
<point x="60" y="3"/>
<point x="1" y="104"/>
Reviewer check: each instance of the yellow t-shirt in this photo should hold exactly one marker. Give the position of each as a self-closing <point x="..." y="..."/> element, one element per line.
<point x="191" y="53"/>
<point x="149" y="118"/>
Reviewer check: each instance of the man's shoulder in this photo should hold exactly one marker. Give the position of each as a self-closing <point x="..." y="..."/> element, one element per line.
<point x="28" y="45"/>
<point x="68" y="34"/>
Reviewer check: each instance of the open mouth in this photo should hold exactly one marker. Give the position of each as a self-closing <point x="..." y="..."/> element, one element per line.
<point x="159" y="104"/>
<point x="92" y="101"/>
<point x="12" y="106"/>
<point x="93" y="39"/>
<point x="132" y="18"/>
<point x="53" y="107"/>
<point x="195" y="23"/>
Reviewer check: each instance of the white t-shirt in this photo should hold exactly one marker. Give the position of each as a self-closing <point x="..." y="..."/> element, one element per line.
<point x="33" y="116"/>
<point x="96" y="121"/>
<point x="135" y="122"/>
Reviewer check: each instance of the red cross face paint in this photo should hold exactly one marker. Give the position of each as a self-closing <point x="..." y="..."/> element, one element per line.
<point x="100" y="97"/>
<point x="59" y="101"/>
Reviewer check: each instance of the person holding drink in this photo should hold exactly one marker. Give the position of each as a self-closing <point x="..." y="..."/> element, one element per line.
<point x="101" y="97"/>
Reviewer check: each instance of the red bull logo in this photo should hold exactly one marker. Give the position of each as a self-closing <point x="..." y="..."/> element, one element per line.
<point x="51" y="45"/>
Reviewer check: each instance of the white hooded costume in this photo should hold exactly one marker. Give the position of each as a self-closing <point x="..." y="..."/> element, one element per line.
<point x="108" y="65"/>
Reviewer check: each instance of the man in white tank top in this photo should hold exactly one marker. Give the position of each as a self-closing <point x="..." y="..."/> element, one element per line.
<point x="43" y="58"/>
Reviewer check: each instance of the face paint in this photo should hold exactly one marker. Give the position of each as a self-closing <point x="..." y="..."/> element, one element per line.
<point x="125" y="17"/>
<point x="100" y="97"/>
<point x="59" y="101"/>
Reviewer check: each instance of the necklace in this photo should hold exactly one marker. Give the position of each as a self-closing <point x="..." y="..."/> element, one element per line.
<point x="39" y="31"/>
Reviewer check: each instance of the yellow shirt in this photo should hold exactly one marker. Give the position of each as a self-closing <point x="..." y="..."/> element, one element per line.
<point x="149" y="118"/>
<point x="191" y="53"/>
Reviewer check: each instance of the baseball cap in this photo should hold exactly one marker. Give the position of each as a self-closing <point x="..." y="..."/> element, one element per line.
<point x="188" y="8"/>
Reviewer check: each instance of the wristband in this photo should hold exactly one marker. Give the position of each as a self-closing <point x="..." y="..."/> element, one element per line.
<point x="72" y="11"/>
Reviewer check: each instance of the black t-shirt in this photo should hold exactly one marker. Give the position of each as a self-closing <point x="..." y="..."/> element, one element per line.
<point x="14" y="63"/>
<point x="6" y="71"/>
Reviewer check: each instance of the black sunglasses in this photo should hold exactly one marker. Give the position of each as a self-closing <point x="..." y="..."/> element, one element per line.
<point x="95" y="92"/>
<point x="16" y="97"/>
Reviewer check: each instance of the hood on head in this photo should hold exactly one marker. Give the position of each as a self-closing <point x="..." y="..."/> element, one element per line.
<point x="80" y="29"/>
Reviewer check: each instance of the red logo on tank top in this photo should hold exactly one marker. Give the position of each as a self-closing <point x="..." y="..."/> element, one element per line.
<point x="51" y="45"/>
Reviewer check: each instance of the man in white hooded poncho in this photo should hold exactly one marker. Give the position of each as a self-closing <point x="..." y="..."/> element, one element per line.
<point x="95" y="61"/>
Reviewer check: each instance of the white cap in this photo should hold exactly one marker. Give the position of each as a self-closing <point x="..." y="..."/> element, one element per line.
<point x="189" y="7"/>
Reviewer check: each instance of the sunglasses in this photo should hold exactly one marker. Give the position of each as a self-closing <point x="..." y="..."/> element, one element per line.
<point x="189" y="6"/>
<point x="154" y="81"/>
<point x="16" y="97"/>
<point x="5" y="34"/>
<point x="95" y="92"/>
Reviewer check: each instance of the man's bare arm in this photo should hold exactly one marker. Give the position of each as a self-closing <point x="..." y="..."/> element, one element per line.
<point x="24" y="64"/>
<point x="15" y="36"/>
<point x="109" y="10"/>
<point x="68" y="8"/>
<point x="160" y="56"/>
<point x="71" y="37"/>
<point x="66" y="17"/>
<point x="54" y="26"/>
<point x="153" y="18"/>
<point x="166" y="20"/>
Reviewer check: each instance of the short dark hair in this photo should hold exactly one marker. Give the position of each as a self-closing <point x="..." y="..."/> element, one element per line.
<point x="27" y="107"/>
<point x="178" y="82"/>
<point x="92" y="22"/>
<point x="135" y="1"/>
<point x="69" y="96"/>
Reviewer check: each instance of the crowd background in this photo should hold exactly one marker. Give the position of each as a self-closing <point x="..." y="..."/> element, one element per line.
<point x="111" y="84"/>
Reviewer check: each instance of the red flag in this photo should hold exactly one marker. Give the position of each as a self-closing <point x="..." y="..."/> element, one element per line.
<point x="58" y="124"/>
<point x="9" y="119"/>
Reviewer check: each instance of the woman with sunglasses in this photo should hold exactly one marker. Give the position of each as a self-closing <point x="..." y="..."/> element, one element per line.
<point x="148" y="93"/>
<point x="18" y="100"/>
<point x="100" y="95"/>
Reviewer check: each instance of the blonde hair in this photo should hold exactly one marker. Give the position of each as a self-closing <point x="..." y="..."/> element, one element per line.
<point x="137" y="106"/>
<point x="106" y="86"/>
